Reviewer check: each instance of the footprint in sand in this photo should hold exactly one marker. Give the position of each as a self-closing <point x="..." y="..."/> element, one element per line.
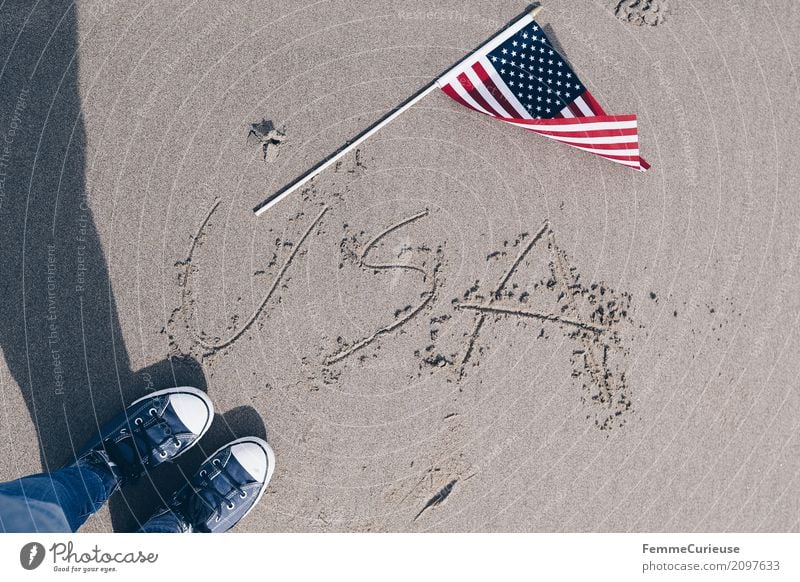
<point x="641" y="12"/>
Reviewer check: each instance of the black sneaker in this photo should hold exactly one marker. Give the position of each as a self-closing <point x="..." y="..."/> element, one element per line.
<point x="226" y="487"/>
<point x="154" y="429"/>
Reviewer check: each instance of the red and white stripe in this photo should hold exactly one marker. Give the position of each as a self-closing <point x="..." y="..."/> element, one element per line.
<point x="582" y="124"/>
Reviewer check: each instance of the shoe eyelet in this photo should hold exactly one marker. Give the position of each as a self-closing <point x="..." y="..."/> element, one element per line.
<point x="162" y="454"/>
<point x="243" y="494"/>
<point x="203" y="473"/>
<point x="231" y="505"/>
<point x="123" y="431"/>
<point x="216" y="463"/>
<point x="138" y="421"/>
<point x="152" y="412"/>
<point x="217" y="518"/>
<point x="177" y="443"/>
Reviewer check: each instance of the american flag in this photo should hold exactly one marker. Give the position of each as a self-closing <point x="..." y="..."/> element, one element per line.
<point x="518" y="77"/>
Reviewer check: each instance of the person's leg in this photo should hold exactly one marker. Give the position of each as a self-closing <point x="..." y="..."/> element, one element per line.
<point x="154" y="429"/>
<point x="56" y="502"/>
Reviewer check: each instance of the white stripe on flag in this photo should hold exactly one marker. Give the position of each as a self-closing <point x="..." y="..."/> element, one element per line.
<point x="583" y="106"/>
<point x="458" y="88"/>
<point x="504" y="89"/>
<point x="623" y="162"/>
<point x="581" y="127"/>
<point x="594" y="140"/>
<point x="554" y="132"/>
<point x="600" y="151"/>
<point x="566" y="112"/>
<point x="473" y="77"/>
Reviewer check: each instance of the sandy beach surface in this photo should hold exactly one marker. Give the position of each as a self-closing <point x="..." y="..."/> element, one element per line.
<point x="460" y="327"/>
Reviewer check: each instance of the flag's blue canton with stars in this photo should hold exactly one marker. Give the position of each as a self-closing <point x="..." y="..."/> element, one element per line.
<point x="539" y="77"/>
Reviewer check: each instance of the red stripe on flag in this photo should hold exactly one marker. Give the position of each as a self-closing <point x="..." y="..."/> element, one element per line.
<point x="592" y="103"/>
<point x="576" y="111"/>
<point x="453" y="94"/>
<point x="470" y="88"/>
<point x="588" y="134"/>
<point x="613" y="157"/>
<point x="599" y="146"/>
<point x="492" y="88"/>
<point x="572" y="120"/>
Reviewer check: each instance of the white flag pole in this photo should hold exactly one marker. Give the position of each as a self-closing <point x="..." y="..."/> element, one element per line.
<point x="374" y="128"/>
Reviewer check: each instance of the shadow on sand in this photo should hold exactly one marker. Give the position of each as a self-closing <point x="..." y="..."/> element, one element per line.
<point x="59" y="329"/>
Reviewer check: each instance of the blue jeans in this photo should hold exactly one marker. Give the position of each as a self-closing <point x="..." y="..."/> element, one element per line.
<point x="62" y="501"/>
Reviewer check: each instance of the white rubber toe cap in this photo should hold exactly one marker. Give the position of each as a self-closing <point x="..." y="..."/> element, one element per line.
<point x="253" y="458"/>
<point x="192" y="410"/>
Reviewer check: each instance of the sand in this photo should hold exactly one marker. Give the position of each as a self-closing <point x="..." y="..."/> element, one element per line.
<point x="461" y="326"/>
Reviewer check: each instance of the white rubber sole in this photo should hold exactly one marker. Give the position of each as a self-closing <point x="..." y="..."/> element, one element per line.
<point x="185" y="390"/>
<point x="270" y="467"/>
